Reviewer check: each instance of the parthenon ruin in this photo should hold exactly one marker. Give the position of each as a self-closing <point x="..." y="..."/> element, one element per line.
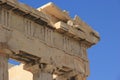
<point x="48" y="43"/>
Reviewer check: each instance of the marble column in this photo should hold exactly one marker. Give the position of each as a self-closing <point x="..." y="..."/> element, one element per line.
<point x="3" y="66"/>
<point x="42" y="76"/>
<point x="38" y="73"/>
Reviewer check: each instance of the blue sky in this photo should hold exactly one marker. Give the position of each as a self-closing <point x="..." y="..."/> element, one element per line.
<point x="104" y="17"/>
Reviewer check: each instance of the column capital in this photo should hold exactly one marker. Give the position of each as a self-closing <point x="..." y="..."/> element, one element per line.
<point x="3" y="66"/>
<point x="5" y="52"/>
<point x="32" y="68"/>
<point x="39" y="68"/>
<point x="40" y="71"/>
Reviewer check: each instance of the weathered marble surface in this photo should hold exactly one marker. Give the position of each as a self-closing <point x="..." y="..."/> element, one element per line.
<point x="3" y="66"/>
<point x="47" y="36"/>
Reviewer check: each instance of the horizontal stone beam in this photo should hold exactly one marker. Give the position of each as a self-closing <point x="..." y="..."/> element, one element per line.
<point x="42" y="18"/>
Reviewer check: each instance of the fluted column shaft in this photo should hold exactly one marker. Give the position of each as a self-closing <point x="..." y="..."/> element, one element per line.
<point x="3" y="66"/>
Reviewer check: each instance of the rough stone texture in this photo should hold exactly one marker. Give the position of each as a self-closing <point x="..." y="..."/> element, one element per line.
<point x="47" y="37"/>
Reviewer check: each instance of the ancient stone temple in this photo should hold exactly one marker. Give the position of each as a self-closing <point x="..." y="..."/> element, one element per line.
<point x="48" y="43"/>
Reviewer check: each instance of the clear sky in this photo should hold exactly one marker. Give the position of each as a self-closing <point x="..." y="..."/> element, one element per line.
<point x="104" y="17"/>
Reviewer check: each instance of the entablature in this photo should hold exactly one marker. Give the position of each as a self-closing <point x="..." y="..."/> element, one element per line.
<point x="51" y="16"/>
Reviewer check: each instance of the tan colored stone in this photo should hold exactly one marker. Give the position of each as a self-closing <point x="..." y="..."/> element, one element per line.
<point x="53" y="10"/>
<point x="47" y="40"/>
<point x="3" y="66"/>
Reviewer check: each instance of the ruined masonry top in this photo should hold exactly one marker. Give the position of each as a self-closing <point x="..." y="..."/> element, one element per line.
<point x="46" y="40"/>
<point x="51" y="16"/>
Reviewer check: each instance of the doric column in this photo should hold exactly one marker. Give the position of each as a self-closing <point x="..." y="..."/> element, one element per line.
<point x="39" y="72"/>
<point x="4" y="56"/>
<point x="42" y="76"/>
<point x="3" y="66"/>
